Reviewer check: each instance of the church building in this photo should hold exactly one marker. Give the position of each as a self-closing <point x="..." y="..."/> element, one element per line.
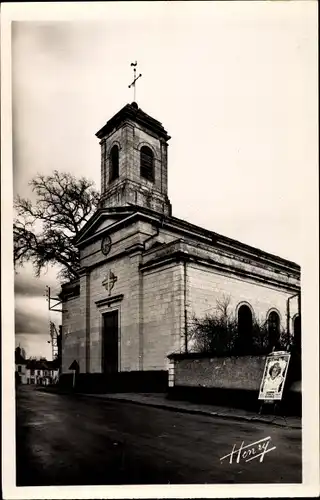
<point x="145" y="273"/>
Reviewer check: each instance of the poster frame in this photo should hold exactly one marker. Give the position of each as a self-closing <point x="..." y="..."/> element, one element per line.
<point x="281" y="360"/>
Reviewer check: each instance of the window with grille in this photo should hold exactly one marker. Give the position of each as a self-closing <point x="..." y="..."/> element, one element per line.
<point x="114" y="163"/>
<point x="146" y="163"/>
<point x="104" y="177"/>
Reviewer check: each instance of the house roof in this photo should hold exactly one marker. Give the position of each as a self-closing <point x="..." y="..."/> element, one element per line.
<point x="36" y="364"/>
<point x="42" y="364"/>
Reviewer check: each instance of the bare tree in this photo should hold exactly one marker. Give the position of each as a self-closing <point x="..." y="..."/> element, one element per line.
<point x="44" y="231"/>
<point x="218" y="333"/>
<point x="222" y="305"/>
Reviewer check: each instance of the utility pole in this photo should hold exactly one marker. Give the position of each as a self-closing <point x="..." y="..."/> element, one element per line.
<point x="53" y="302"/>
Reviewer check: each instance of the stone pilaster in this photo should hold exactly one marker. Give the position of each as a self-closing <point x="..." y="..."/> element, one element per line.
<point x="85" y="317"/>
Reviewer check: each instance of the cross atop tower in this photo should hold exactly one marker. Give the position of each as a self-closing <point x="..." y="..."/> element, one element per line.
<point x="135" y="78"/>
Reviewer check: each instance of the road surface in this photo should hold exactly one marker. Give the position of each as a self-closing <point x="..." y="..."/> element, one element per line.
<point x="72" y="440"/>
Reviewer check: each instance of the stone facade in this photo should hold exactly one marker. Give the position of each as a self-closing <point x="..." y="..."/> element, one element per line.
<point x="162" y="279"/>
<point x="163" y="269"/>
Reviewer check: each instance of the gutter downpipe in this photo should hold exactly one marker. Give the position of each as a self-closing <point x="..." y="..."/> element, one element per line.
<point x="185" y="307"/>
<point x="288" y="309"/>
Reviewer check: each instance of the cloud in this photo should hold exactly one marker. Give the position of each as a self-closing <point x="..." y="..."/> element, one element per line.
<point x="25" y="283"/>
<point x="32" y="318"/>
<point x="27" y="322"/>
<point x="31" y="311"/>
<point x="35" y="345"/>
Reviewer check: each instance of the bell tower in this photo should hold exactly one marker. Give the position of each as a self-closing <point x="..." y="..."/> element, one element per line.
<point x="134" y="164"/>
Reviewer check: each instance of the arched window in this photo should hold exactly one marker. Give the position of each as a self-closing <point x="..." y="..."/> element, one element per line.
<point x="297" y="332"/>
<point x="146" y="163"/>
<point x="114" y="163"/>
<point x="274" y="329"/>
<point x="244" y="328"/>
<point x="104" y="173"/>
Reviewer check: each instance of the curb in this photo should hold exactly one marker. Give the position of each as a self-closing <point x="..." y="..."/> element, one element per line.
<point x="194" y="411"/>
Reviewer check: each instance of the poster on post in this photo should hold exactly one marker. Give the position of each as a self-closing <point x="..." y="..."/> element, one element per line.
<point x="274" y="376"/>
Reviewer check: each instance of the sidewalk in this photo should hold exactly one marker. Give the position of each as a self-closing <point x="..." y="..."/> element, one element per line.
<point x="161" y="401"/>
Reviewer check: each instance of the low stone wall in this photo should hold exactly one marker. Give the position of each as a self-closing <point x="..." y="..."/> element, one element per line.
<point x="243" y="373"/>
<point x="229" y="381"/>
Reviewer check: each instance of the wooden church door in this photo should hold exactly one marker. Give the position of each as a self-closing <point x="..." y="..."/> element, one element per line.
<point x="110" y="342"/>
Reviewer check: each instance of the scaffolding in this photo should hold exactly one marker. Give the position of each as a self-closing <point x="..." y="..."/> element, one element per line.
<point x="53" y="305"/>
<point x="54" y="340"/>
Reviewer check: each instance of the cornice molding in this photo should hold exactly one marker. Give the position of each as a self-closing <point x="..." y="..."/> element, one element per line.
<point x="217" y="242"/>
<point x="109" y="300"/>
<point x="226" y="269"/>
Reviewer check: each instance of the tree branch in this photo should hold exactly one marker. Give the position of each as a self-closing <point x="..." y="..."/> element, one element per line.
<point x="44" y="231"/>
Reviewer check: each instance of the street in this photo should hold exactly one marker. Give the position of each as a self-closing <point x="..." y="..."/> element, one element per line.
<point x="72" y="440"/>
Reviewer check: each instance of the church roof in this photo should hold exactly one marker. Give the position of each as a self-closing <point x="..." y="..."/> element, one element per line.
<point x="134" y="113"/>
<point x="127" y="215"/>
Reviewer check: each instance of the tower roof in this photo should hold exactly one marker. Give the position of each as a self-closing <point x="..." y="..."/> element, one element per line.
<point x="134" y="113"/>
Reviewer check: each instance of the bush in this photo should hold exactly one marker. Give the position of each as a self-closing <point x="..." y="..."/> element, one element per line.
<point x="217" y="334"/>
<point x="214" y="335"/>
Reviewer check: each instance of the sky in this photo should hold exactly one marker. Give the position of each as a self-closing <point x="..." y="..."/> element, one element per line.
<point x="234" y="85"/>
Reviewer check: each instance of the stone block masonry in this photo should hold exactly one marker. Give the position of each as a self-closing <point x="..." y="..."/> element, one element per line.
<point x="126" y="287"/>
<point x="130" y="187"/>
<point x="163" y="315"/>
<point x="73" y="335"/>
<point x="206" y="286"/>
<point x="241" y="373"/>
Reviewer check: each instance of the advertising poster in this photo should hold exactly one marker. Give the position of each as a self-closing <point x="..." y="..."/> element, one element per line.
<point x="274" y="376"/>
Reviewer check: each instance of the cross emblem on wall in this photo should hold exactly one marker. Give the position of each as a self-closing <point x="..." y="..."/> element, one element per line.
<point x="109" y="281"/>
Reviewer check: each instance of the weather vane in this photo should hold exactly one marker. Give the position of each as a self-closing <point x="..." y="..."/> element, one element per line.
<point x="135" y="78"/>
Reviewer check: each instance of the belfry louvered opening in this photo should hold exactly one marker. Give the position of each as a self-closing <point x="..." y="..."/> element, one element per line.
<point x="146" y="163"/>
<point x="114" y="163"/>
